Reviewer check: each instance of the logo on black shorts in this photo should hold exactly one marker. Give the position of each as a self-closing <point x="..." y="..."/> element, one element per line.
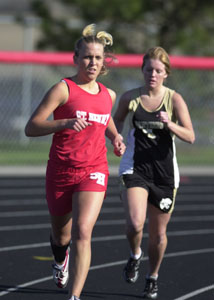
<point x="165" y="204"/>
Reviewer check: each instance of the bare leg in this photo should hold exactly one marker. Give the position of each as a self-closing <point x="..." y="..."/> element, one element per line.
<point x="61" y="230"/>
<point x="86" y="208"/>
<point x="157" y="237"/>
<point x="135" y="204"/>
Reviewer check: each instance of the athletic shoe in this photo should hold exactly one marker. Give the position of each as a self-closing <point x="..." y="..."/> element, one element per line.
<point x="74" y="298"/>
<point x="131" y="270"/>
<point x="61" y="275"/>
<point x="151" y="289"/>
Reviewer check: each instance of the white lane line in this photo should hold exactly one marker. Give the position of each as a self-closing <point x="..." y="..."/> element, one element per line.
<point x="190" y="232"/>
<point x="196" y="292"/>
<point x="107" y="238"/>
<point x="47" y="244"/>
<point x="24" y="227"/>
<point x="9" y="214"/>
<point x="26" y="213"/>
<point x="23" y="191"/>
<point x="189" y="252"/>
<point x="192" y="207"/>
<point x="190" y="189"/>
<point x="23" y="202"/>
<point x="30" y="213"/>
<point x="106" y="265"/>
<point x="192" y="218"/>
<point x="108" y="223"/>
<point x="189" y="219"/>
<point x="113" y="199"/>
<point x="24" y="247"/>
<point x="20" y="286"/>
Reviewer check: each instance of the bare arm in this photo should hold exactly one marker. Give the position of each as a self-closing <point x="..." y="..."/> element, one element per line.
<point x="184" y="129"/>
<point x="112" y="133"/>
<point x="111" y="130"/>
<point x="39" y="125"/>
<point x="122" y="111"/>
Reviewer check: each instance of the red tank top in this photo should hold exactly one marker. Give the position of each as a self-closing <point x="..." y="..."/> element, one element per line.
<point x="87" y="147"/>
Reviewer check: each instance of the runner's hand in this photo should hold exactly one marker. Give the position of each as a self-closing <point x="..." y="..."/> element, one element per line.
<point x="78" y="124"/>
<point x="119" y="146"/>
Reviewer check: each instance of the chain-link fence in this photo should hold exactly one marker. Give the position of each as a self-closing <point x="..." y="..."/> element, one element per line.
<point x="23" y="86"/>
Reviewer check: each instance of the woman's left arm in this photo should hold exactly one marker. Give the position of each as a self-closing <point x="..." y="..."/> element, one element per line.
<point x="184" y="129"/>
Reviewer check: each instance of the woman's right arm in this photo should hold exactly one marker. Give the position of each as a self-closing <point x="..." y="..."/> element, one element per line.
<point x="39" y="125"/>
<point x="122" y="111"/>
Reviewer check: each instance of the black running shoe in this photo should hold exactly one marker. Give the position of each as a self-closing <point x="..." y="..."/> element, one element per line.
<point x="131" y="270"/>
<point x="151" y="289"/>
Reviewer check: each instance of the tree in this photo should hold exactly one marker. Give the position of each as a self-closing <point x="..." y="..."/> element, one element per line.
<point x="180" y="26"/>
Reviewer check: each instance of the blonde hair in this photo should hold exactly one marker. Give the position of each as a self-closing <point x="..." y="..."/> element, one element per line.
<point x="89" y="35"/>
<point x="158" y="53"/>
<point x="104" y="37"/>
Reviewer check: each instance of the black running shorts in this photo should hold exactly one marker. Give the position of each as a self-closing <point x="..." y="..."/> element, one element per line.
<point x="161" y="196"/>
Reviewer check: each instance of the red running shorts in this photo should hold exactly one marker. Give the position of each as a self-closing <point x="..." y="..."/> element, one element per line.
<point x="62" y="182"/>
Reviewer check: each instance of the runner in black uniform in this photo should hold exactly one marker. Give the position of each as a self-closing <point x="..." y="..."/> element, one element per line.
<point x="148" y="169"/>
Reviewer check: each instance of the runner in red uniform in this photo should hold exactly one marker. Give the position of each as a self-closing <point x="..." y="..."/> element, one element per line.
<point x="77" y="170"/>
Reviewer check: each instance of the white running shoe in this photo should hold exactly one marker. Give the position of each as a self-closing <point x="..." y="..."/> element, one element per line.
<point x="61" y="275"/>
<point x="74" y="298"/>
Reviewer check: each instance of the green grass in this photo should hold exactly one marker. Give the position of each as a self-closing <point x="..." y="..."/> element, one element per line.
<point x="33" y="154"/>
<point x="199" y="156"/>
<point x="37" y="154"/>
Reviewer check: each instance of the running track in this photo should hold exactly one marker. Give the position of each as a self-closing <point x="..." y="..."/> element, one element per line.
<point x="25" y="258"/>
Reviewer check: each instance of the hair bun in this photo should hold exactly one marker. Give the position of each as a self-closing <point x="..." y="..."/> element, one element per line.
<point x="89" y="30"/>
<point x="105" y="37"/>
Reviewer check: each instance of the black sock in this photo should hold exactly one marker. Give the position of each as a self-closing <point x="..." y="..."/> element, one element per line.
<point x="59" y="252"/>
